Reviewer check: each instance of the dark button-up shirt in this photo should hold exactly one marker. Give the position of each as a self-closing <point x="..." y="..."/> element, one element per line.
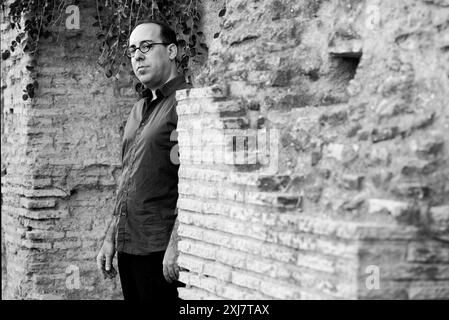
<point x="148" y="187"/>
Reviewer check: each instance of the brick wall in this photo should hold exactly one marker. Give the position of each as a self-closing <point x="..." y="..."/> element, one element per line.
<point x="60" y="163"/>
<point x="314" y="154"/>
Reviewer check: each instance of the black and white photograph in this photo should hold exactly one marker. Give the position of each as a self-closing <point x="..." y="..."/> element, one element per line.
<point x="222" y="157"/>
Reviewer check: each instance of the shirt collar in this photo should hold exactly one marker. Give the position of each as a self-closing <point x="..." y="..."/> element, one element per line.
<point x="166" y="89"/>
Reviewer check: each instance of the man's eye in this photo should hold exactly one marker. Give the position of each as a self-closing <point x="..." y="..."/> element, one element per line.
<point x="145" y="46"/>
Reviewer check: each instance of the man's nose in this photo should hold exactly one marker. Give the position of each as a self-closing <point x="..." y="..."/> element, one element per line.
<point x="138" y="55"/>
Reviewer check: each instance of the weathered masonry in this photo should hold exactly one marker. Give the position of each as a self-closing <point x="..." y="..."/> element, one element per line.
<point x="60" y="163"/>
<point x="313" y="148"/>
<point x="314" y="158"/>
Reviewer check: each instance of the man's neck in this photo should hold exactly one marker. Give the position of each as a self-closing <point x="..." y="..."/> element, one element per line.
<point x="172" y="76"/>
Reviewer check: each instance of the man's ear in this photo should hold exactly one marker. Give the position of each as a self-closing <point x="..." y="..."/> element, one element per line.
<point x="172" y="51"/>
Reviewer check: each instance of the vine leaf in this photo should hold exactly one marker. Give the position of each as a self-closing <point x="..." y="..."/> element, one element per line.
<point x="222" y="12"/>
<point x="5" y="55"/>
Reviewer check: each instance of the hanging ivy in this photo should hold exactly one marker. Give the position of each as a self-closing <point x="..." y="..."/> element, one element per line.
<point x="32" y="19"/>
<point x="115" y="20"/>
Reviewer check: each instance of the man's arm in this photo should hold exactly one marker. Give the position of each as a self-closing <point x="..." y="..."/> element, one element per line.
<point x="169" y="265"/>
<point x="107" y="251"/>
<point x="111" y="230"/>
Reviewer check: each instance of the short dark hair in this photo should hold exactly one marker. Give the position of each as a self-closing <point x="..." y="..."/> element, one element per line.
<point x="167" y="33"/>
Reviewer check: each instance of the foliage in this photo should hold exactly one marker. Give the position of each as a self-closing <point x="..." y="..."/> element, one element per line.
<point x="115" y="20"/>
<point x="32" y="19"/>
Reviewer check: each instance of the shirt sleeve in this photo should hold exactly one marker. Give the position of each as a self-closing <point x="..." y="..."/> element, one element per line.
<point x="172" y="117"/>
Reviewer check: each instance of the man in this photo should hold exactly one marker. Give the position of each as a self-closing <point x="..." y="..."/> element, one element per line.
<point x="144" y="222"/>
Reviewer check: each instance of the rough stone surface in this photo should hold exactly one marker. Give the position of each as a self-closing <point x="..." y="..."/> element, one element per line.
<point x="60" y="163"/>
<point x="357" y="92"/>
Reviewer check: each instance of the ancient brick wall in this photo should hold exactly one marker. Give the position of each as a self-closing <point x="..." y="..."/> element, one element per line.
<point x="314" y="153"/>
<point x="60" y="162"/>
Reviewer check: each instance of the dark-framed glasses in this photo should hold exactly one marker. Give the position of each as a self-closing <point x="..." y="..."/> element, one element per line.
<point x="144" y="47"/>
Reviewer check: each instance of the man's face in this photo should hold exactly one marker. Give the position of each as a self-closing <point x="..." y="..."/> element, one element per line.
<point x="153" y="67"/>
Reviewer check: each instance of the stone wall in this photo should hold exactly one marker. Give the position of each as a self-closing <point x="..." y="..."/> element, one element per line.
<point x="60" y="162"/>
<point x="314" y="157"/>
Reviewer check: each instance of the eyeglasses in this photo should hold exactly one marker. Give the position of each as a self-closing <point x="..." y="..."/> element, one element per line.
<point x="144" y="47"/>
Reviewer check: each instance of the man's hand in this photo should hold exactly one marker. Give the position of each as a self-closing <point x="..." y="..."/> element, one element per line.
<point x="104" y="260"/>
<point x="169" y="265"/>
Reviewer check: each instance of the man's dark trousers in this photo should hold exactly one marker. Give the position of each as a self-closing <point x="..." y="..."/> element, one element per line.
<point x="142" y="278"/>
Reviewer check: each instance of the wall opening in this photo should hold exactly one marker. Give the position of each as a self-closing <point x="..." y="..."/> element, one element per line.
<point x="343" y="70"/>
<point x="347" y="64"/>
